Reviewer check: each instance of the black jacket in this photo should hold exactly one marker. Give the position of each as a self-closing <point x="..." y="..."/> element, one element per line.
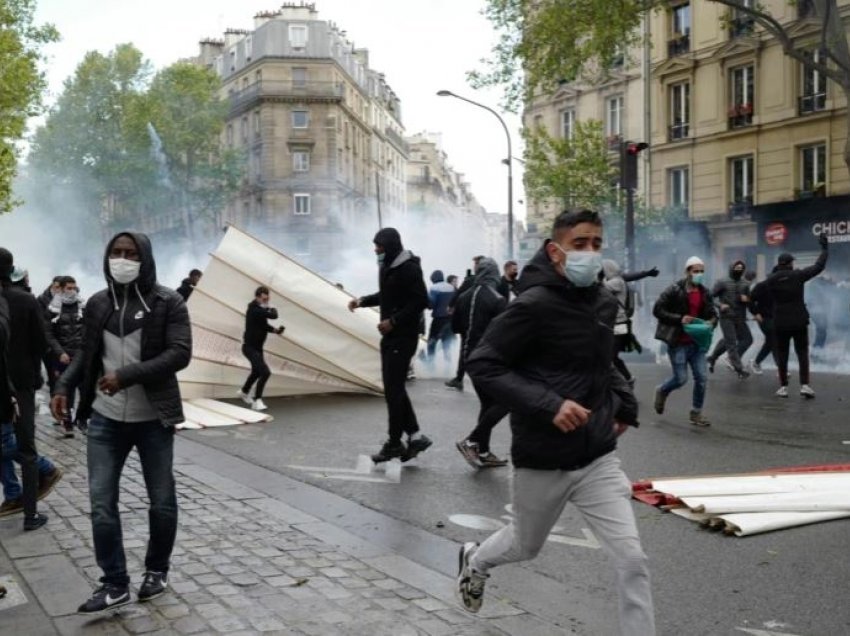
<point x="672" y="305"/>
<point x="6" y="389"/>
<point x="402" y="294"/>
<point x="555" y="342"/>
<point x="65" y="330"/>
<point x="761" y="301"/>
<point x="257" y="325"/>
<point x="477" y="306"/>
<point x="186" y="288"/>
<point x="787" y="288"/>
<point x="728" y="291"/>
<point x="166" y="339"/>
<point x="27" y="341"/>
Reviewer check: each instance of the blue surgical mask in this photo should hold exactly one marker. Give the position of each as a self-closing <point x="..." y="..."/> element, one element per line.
<point x="697" y="279"/>
<point x="582" y="267"/>
<point x="381" y="258"/>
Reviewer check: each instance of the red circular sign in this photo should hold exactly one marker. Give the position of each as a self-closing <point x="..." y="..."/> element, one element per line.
<point x="775" y="234"/>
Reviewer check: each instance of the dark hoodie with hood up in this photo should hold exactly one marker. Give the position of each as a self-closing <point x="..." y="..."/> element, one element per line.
<point x="476" y="307"/>
<point x="402" y="295"/>
<point x="554" y="342"/>
<point x="728" y="291"/>
<point x="141" y="332"/>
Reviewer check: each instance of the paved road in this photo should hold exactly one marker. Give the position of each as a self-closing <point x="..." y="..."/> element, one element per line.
<point x="786" y="582"/>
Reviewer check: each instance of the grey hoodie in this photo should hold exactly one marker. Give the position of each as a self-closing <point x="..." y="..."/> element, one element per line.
<point x="615" y="283"/>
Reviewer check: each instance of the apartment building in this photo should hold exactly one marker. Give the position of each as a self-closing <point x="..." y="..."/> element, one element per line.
<point x="745" y="138"/>
<point x="320" y="130"/>
<point x="617" y="101"/>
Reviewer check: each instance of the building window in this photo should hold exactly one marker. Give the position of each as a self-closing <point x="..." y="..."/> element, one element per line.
<point x="298" y="36"/>
<point x="258" y="77"/>
<point x="805" y="8"/>
<point x="232" y="59"/>
<point x="678" y="187"/>
<point x="812" y="169"/>
<point x="256" y="123"/>
<point x="741" y="23"/>
<point x="813" y="83"/>
<point x="299" y="77"/>
<point x="301" y="204"/>
<point x="300" y="119"/>
<point x="742" y="92"/>
<point x="680" y="110"/>
<point x="245" y="83"/>
<point x="680" y="30"/>
<point x="741" y="180"/>
<point x="249" y="48"/>
<point x="568" y="123"/>
<point x="300" y="161"/>
<point x="243" y="130"/>
<point x="229" y="135"/>
<point x="614" y="117"/>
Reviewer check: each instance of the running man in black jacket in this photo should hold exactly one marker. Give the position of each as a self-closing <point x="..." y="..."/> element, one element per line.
<point x="790" y="316"/>
<point x="761" y="307"/>
<point x="402" y="297"/>
<point x="257" y="327"/>
<point x="547" y="358"/>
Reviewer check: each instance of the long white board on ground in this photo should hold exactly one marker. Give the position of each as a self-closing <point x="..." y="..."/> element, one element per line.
<point x="325" y="348"/>
<point x="204" y="413"/>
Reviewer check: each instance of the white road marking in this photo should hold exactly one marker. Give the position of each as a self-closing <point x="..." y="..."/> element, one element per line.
<point x="365" y="471"/>
<point x="762" y="632"/>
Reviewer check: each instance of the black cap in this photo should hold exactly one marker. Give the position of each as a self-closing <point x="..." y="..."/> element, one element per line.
<point x="785" y="259"/>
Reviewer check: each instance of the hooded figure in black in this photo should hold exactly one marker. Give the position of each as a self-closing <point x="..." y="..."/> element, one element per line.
<point x="475" y="309"/>
<point x="733" y="296"/>
<point x="137" y="337"/>
<point x="26" y="347"/>
<point x="790" y="316"/>
<point x="548" y="359"/>
<point x="402" y="298"/>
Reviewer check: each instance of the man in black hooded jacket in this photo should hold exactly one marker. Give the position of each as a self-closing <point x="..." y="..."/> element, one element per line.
<point x="791" y="317"/>
<point x="548" y="359"/>
<point x="733" y="295"/>
<point x="137" y="337"/>
<point x="402" y="297"/>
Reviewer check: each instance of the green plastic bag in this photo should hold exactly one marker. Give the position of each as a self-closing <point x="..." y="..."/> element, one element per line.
<point x="702" y="332"/>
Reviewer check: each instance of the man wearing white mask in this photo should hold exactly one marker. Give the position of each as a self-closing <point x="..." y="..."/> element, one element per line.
<point x="137" y="337"/>
<point x="548" y="359"/>
<point x="680" y="304"/>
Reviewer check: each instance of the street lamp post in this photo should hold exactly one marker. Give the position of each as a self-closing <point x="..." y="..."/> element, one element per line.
<point x="508" y="162"/>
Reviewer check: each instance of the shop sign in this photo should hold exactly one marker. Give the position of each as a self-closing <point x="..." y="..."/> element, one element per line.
<point x="776" y="233"/>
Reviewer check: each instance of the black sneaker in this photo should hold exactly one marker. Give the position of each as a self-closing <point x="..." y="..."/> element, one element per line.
<point x="470" y="453"/>
<point x="389" y="451"/>
<point x="154" y="584"/>
<point x="470" y="584"/>
<point x="489" y="460"/>
<point x="105" y="598"/>
<point x="416" y="446"/>
<point x="455" y="384"/>
<point x="34" y="522"/>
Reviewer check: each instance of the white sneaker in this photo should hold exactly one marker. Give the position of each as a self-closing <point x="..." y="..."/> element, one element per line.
<point x="807" y="392"/>
<point x="245" y="398"/>
<point x="755" y="368"/>
<point x="470" y="584"/>
<point x="782" y="392"/>
<point x="259" y="405"/>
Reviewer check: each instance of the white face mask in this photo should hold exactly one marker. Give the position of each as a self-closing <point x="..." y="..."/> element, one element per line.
<point x="124" y="271"/>
<point x="582" y="267"/>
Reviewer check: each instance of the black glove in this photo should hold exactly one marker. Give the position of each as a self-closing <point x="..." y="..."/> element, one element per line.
<point x="823" y="240"/>
<point x="653" y="272"/>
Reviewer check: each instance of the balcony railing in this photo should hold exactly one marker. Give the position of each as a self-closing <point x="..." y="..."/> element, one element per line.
<point x="267" y="89"/>
<point x="740" y="115"/>
<point x="741" y="26"/>
<point x="678" y="131"/>
<point x="678" y="45"/>
<point x="812" y="103"/>
<point x="397" y="139"/>
<point x="741" y="209"/>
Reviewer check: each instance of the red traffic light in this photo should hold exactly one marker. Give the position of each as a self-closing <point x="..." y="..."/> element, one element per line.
<point x="633" y="148"/>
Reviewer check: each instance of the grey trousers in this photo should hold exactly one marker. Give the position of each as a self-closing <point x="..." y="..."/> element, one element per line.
<point x="602" y="493"/>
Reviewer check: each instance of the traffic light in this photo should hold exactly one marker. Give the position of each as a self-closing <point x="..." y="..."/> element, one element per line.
<point x="629" y="151"/>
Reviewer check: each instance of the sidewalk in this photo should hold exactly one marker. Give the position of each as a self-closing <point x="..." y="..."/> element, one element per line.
<point x="245" y="562"/>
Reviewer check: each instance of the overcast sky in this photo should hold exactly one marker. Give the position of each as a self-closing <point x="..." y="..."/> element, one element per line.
<point x="421" y="47"/>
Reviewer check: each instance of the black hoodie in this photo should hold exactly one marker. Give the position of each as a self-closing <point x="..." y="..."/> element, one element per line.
<point x="402" y="294"/>
<point x="555" y="342"/>
<point x="155" y="314"/>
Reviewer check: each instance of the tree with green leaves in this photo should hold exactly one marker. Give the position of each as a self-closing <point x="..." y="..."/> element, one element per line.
<point x="21" y="84"/>
<point x="543" y="42"/>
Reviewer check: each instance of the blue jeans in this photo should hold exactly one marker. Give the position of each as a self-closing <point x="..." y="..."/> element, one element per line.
<point x="108" y="444"/>
<point x="680" y="357"/>
<point x="8" y="476"/>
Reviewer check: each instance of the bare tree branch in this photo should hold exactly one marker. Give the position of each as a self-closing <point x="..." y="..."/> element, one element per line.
<point x="773" y="26"/>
